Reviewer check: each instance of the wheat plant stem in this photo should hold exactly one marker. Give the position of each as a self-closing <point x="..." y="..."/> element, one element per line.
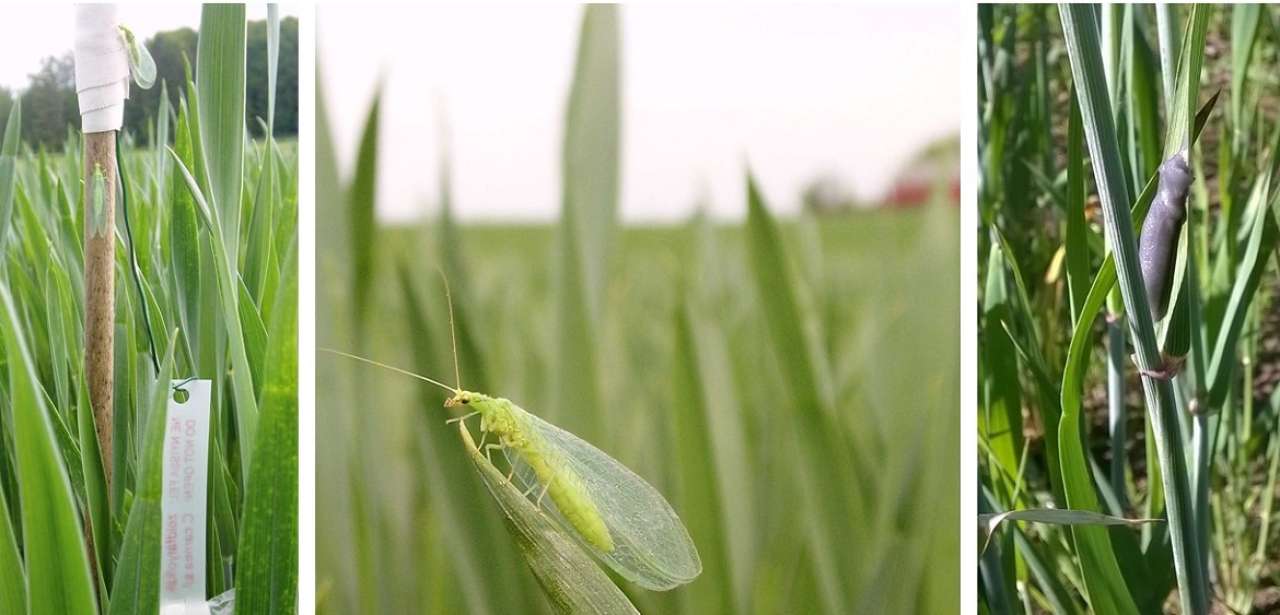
<point x="1080" y="29"/>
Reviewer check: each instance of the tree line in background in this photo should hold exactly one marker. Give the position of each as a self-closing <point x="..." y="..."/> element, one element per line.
<point x="49" y="101"/>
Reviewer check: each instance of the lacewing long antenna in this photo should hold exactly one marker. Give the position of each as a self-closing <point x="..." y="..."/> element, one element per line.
<point x="453" y="335"/>
<point x="390" y="367"/>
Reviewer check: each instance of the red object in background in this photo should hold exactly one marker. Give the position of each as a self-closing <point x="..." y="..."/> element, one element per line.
<point x="907" y="193"/>
<point x="913" y="192"/>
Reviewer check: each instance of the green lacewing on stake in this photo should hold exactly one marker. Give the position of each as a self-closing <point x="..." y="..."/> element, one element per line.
<point x="612" y="512"/>
<point x="141" y="66"/>
<point x="98" y="226"/>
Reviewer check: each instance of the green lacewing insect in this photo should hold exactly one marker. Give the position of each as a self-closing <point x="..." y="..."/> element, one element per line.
<point x="141" y="66"/>
<point x="616" y="515"/>
<point x="98" y="226"/>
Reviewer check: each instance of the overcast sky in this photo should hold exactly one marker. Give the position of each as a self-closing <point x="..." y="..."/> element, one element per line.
<point x="48" y="30"/>
<point x="795" y="90"/>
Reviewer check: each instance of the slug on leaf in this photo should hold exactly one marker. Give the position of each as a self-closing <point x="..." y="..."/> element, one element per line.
<point x="1158" y="243"/>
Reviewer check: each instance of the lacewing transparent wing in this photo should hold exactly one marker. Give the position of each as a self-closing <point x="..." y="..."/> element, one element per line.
<point x="141" y="65"/>
<point x="572" y="580"/>
<point x="651" y="546"/>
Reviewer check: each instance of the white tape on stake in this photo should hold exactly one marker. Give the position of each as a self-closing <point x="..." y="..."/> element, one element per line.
<point x="102" y="68"/>
<point x="182" y="502"/>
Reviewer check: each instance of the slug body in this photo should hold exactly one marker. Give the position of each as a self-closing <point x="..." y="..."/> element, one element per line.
<point x="508" y="422"/>
<point x="1160" y="230"/>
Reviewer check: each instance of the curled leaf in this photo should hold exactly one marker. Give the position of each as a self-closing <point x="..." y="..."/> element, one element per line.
<point x="988" y="523"/>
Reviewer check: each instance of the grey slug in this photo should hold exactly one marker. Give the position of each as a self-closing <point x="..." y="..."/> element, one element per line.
<point x="1158" y="243"/>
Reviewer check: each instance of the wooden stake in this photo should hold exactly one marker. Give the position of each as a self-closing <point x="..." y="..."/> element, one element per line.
<point x="99" y="289"/>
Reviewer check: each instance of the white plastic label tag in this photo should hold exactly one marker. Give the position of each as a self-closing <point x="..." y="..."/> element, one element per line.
<point x="182" y="502"/>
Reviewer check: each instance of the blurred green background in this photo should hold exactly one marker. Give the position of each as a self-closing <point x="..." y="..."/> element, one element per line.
<point x="790" y="385"/>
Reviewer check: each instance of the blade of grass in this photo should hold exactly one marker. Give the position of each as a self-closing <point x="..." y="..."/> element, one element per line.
<point x="1181" y="125"/>
<point x="57" y="566"/>
<point x="1000" y="423"/>
<point x="823" y="450"/>
<point x="8" y="166"/>
<point x="1248" y="276"/>
<point x="137" y="584"/>
<point x="590" y="172"/>
<point x="996" y="565"/>
<point x="701" y="480"/>
<point x="255" y="337"/>
<point x="1080" y="31"/>
<point x="991" y="522"/>
<point x="220" y="88"/>
<point x="13" y="577"/>
<point x="246" y="404"/>
<point x="267" y="576"/>
<point x="335" y="505"/>
<point x="362" y="198"/>
<point x="97" y="507"/>
<point x="1166" y="27"/>
<point x="1143" y="102"/>
<point x="184" y="246"/>
<point x="273" y="65"/>
<point x="1245" y="19"/>
<point x="259" y="269"/>
<point x="1077" y="241"/>
<point x="361" y="208"/>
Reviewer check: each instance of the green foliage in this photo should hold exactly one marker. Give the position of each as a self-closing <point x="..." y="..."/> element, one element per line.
<point x="136" y="588"/>
<point x="815" y="472"/>
<point x="55" y="566"/>
<point x="269" y="545"/>
<point x="1053" y="415"/>
<point x="67" y="544"/>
